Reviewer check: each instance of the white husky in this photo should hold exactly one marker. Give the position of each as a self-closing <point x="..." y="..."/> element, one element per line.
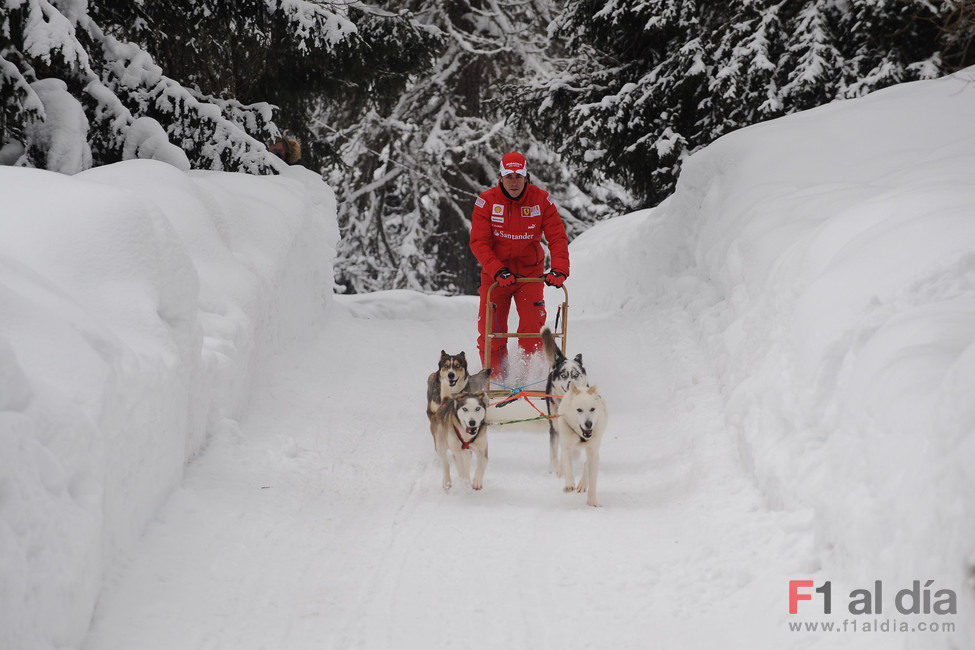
<point x="459" y="425"/>
<point x="564" y="371"/>
<point x="581" y="422"/>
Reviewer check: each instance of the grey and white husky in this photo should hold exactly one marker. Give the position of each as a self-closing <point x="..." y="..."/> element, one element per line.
<point x="581" y="423"/>
<point x="564" y="372"/>
<point x="459" y="426"/>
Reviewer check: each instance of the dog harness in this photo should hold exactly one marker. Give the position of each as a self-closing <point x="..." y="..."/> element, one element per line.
<point x="465" y="445"/>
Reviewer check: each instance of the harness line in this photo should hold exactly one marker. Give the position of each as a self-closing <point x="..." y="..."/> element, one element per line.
<point x="465" y="445"/>
<point x="520" y="392"/>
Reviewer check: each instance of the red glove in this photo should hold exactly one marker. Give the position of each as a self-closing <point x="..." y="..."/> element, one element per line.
<point x="505" y="278"/>
<point x="555" y="278"/>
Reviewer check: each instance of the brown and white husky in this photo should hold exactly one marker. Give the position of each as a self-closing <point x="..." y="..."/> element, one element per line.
<point x="450" y="379"/>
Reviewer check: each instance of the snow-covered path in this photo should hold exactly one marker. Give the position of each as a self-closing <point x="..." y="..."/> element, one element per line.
<point x="321" y="522"/>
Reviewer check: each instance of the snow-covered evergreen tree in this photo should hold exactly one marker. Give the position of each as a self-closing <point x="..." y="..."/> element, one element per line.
<point x="652" y="80"/>
<point x="294" y="54"/>
<point x="107" y="54"/>
<point x="888" y="42"/>
<point x="411" y="168"/>
<point x="811" y="67"/>
<point x="121" y="103"/>
<point x="743" y="85"/>
<point x="627" y="100"/>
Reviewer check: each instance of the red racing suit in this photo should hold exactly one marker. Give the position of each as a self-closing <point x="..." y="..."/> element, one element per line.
<point x="508" y="233"/>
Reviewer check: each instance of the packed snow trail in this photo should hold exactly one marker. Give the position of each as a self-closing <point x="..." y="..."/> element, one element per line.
<point x="320" y="522"/>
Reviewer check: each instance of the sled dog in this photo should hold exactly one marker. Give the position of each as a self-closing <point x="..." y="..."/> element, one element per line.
<point x="564" y="372"/>
<point x="581" y="422"/>
<point x="450" y="379"/>
<point x="459" y="425"/>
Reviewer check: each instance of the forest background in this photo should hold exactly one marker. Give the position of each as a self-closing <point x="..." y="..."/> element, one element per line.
<point x="405" y="107"/>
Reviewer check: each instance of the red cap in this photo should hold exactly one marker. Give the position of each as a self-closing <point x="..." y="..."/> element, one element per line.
<point x="512" y="163"/>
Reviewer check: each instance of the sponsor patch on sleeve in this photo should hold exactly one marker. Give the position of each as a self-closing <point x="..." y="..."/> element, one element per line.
<point x="479" y="202"/>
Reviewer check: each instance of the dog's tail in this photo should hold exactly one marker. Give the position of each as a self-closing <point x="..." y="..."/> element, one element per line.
<point x="479" y="381"/>
<point x="552" y="350"/>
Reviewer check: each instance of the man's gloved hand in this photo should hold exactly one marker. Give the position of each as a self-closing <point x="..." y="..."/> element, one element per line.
<point x="555" y="278"/>
<point x="505" y="278"/>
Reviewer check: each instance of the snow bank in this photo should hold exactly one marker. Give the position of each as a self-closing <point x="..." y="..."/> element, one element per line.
<point x="829" y="259"/>
<point x="406" y="304"/>
<point x="137" y="301"/>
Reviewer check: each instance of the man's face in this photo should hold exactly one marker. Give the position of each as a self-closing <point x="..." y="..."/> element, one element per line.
<point x="513" y="183"/>
<point x="278" y="150"/>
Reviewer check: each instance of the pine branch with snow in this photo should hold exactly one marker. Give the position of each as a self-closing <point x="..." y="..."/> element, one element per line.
<point x="81" y="97"/>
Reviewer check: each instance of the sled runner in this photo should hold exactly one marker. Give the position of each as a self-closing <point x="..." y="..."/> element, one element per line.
<point x="506" y="395"/>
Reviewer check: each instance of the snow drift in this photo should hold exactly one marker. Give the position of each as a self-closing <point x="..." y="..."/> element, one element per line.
<point x="829" y="260"/>
<point x="137" y="301"/>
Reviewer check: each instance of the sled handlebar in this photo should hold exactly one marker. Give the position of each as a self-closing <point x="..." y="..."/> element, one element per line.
<point x="521" y="280"/>
<point x="490" y="335"/>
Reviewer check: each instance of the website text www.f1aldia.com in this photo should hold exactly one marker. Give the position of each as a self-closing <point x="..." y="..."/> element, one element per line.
<point x="885" y="625"/>
<point x="922" y="606"/>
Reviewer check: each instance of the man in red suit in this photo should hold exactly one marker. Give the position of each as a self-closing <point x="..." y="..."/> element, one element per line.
<point x="506" y="238"/>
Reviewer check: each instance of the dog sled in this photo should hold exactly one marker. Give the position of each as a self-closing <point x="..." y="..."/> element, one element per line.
<point x="503" y="395"/>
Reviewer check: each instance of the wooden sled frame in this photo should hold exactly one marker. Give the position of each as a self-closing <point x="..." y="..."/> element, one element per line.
<point x="490" y="335"/>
